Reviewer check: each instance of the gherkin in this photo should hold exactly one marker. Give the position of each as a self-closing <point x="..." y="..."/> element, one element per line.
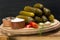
<point x="22" y="16"/>
<point x="29" y="9"/>
<point x="25" y="13"/>
<point x="38" y="12"/>
<point x="47" y="12"/>
<point x="34" y="10"/>
<point x="38" y="5"/>
<point x="44" y="18"/>
<point x="38" y="19"/>
<point x="51" y="18"/>
<point x="27" y="19"/>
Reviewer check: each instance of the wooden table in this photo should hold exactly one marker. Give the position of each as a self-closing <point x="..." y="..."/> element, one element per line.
<point x="53" y="35"/>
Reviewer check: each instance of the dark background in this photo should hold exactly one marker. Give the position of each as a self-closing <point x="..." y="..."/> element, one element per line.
<point x="12" y="7"/>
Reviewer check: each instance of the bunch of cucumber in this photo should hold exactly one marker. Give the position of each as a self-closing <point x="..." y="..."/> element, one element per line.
<point x="37" y="13"/>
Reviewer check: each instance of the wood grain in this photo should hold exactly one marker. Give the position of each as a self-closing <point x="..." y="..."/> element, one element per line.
<point x="52" y="35"/>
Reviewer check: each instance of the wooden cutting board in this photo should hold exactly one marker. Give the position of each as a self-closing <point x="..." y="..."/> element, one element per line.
<point x="3" y="36"/>
<point x="53" y="35"/>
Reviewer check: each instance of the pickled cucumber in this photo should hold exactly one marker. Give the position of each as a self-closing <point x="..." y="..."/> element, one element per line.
<point x="22" y="16"/>
<point x="38" y="5"/>
<point x="47" y="11"/>
<point x="44" y="18"/>
<point x="27" y="19"/>
<point x="51" y="18"/>
<point x="38" y="19"/>
<point x="30" y="14"/>
<point x="29" y="9"/>
<point x="34" y="10"/>
<point x="38" y="12"/>
<point x="30" y="19"/>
